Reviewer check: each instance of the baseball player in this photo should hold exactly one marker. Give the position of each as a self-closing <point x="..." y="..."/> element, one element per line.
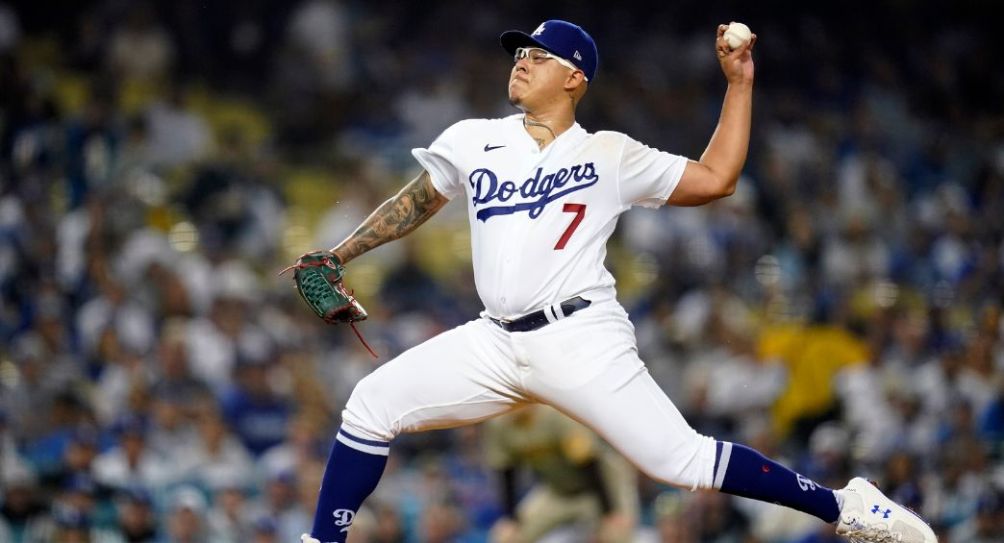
<point x="543" y="195"/>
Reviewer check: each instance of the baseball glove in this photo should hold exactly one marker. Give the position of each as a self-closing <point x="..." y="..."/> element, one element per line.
<point x="318" y="277"/>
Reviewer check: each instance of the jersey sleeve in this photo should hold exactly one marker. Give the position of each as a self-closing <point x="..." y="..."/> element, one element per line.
<point x="440" y="160"/>
<point x="648" y="176"/>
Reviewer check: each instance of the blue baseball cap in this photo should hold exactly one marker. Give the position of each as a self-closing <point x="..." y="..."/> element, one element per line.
<point x="561" y="38"/>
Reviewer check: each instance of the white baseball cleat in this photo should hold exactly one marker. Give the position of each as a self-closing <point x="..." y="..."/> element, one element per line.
<point x="305" y="538"/>
<point x="868" y="516"/>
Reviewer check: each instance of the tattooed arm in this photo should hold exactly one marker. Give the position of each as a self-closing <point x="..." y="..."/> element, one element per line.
<point x="395" y="218"/>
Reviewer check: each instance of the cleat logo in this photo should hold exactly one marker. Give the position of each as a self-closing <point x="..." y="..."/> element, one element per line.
<point x="878" y="511"/>
<point x="343" y="517"/>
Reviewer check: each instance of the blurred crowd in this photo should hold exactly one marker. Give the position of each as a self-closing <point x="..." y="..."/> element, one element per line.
<point x="162" y="161"/>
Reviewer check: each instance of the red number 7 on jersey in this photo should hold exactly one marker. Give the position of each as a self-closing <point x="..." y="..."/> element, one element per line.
<point x="580" y="211"/>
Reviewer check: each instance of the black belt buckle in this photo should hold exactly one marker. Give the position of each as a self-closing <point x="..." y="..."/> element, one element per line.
<point x="538" y="319"/>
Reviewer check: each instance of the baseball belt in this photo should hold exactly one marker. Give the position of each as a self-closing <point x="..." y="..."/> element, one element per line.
<point x="538" y="319"/>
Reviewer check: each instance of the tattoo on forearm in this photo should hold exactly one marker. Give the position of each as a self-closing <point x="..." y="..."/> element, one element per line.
<point x="395" y="218"/>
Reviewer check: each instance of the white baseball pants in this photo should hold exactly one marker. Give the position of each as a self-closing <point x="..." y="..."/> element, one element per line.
<point x="585" y="365"/>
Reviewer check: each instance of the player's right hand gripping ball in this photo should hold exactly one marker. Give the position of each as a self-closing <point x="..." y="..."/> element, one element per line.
<point x="318" y="278"/>
<point x="737" y="34"/>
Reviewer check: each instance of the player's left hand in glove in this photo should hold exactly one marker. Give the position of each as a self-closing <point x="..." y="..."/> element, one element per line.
<point x="318" y="277"/>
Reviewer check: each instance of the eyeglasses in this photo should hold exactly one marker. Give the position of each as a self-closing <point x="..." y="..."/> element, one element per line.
<point x="538" y="56"/>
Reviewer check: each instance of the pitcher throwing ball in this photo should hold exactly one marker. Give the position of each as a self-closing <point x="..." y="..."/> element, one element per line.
<point x="543" y="196"/>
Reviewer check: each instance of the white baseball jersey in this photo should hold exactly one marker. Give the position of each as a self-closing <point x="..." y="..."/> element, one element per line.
<point x="540" y="219"/>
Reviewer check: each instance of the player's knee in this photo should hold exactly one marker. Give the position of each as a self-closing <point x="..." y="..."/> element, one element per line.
<point x="367" y="411"/>
<point x="690" y="464"/>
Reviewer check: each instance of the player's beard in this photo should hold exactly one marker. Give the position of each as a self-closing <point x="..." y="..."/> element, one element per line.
<point x="518" y="100"/>
<point x="514" y="99"/>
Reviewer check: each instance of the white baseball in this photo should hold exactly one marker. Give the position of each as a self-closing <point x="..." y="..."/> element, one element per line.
<point x="737" y="34"/>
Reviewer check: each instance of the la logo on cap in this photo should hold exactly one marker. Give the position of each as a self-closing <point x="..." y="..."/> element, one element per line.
<point x="540" y="30"/>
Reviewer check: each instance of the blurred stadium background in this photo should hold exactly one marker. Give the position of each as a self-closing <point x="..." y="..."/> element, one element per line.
<point x="161" y="161"/>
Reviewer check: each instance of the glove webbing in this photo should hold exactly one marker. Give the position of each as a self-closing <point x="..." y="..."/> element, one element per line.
<point x="325" y="261"/>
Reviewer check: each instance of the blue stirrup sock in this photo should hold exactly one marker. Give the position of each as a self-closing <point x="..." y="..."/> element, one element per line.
<point x="742" y="471"/>
<point x="353" y="471"/>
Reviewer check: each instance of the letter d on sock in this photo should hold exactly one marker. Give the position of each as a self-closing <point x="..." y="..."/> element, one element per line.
<point x="344" y="517"/>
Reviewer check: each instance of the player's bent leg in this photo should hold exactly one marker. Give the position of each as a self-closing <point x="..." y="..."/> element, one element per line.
<point x="457" y="378"/>
<point x="636" y="417"/>
<point x="639" y="420"/>
<point x="861" y="512"/>
<point x="611" y="391"/>
<point x="587" y="366"/>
